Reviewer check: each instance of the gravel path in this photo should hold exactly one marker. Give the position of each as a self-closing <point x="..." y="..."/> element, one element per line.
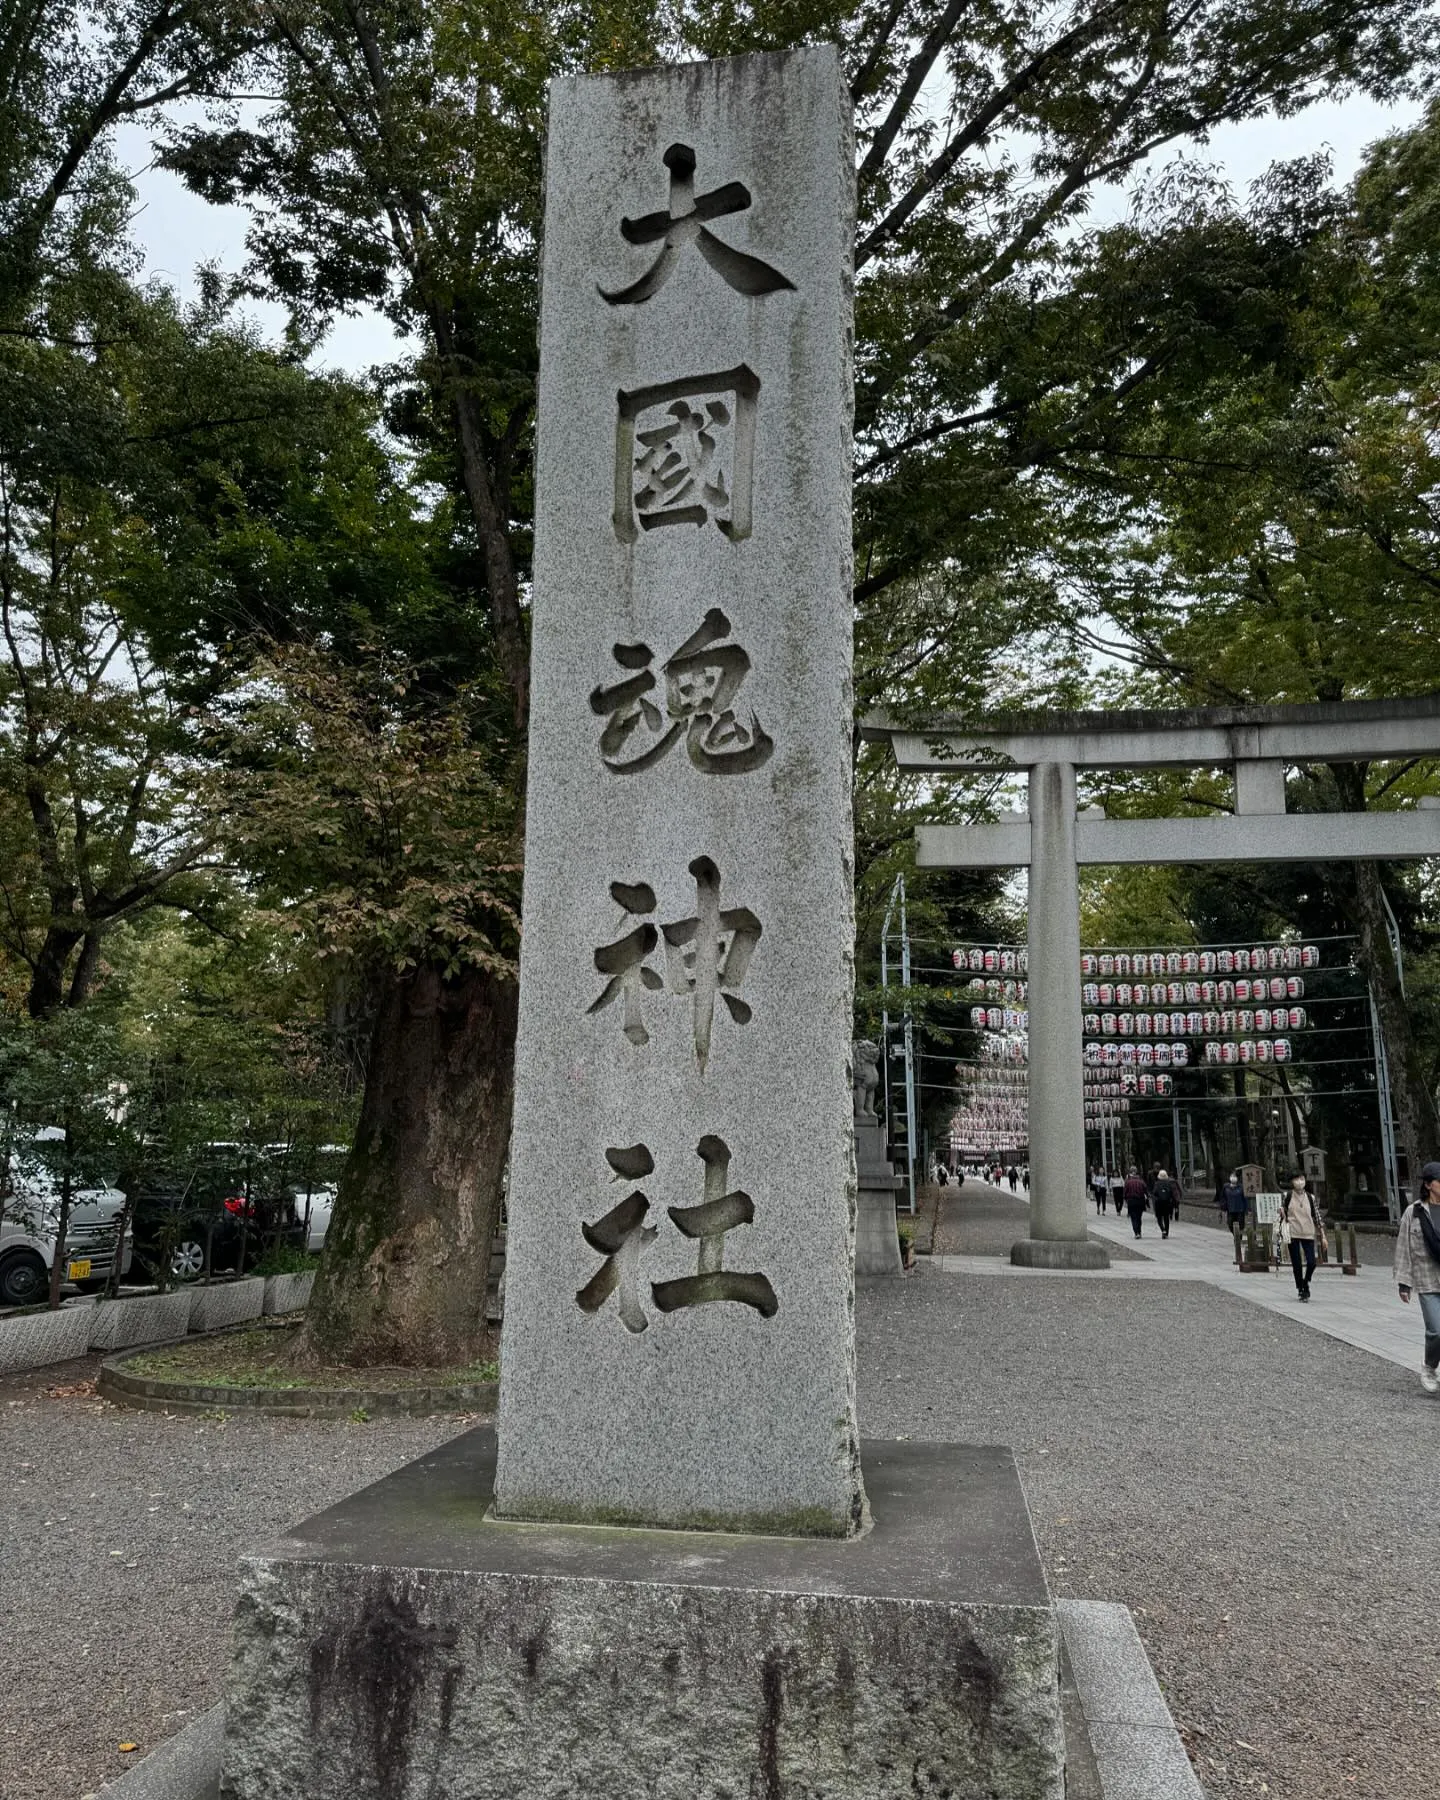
<point x="118" y="1541"/>
<point x="1255" y="1492"/>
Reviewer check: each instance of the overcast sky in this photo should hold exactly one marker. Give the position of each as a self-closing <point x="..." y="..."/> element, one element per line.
<point x="177" y="232"/>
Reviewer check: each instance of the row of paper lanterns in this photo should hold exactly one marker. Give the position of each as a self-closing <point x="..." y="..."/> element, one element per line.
<point x="1127" y="1081"/>
<point x="1232" y="1022"/>
<point x="1193" y="993"/>
<point x="1199" y="962"/>
<point x="1001" y="961"/>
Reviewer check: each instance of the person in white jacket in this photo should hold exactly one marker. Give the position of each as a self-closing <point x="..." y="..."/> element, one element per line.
<point x="1417" y="1267"/>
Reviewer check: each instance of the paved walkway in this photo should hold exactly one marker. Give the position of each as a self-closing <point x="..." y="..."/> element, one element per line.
<point x="1362" y="1309"/>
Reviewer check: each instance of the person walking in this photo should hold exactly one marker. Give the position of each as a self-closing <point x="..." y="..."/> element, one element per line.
<point x="1101" y="1191"/>
<point x="1417" y="1267"/>
<point x="1300" y="1227"/>
<point x="1137" y="1198"/>
<point x="1165" y="1197"/>
<point x="1014" y="1178"/>
<point x="1117" y="1191"/>
<point x="1236" y="1206"/>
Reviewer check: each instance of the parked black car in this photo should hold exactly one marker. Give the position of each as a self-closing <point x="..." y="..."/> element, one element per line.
<point x="221" y="1214"/>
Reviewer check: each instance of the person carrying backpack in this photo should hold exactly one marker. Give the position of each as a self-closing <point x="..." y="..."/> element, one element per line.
<point x="1137" y="1198"/>
<point x="1417" y="1267"/>
<point x="1165" y="1197"/>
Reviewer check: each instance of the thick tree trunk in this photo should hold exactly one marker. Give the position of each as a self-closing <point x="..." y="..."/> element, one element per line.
<point x="48" y="977"/>
<point x="402" y="1279"/>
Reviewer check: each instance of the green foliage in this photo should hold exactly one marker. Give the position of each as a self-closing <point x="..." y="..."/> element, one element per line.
<point x="285" y="1259"/>
<point x="381" y="822"/>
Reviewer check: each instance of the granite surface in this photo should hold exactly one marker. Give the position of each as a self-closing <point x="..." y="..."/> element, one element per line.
<point x="403" y="1644"/>
<point x="678" y="1344"/>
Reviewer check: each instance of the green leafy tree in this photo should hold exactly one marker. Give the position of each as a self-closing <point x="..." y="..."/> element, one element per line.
<point x="997" y="364"/>
<point x="1290" y="547"/>
<point x="392" y="838"/>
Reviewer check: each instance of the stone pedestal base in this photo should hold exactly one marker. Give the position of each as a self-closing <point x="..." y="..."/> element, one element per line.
<point x="405" y="1644"/>
<point x="1059" y="1253"/>
<point x="877" y="1243"/>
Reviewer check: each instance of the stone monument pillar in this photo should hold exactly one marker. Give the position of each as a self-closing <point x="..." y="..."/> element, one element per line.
<point x="678" y="1344"/>
<point x="681" y="1211"/>
<point x="1058" y="1221"/>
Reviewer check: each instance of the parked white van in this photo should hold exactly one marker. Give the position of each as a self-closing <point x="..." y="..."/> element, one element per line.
<point x="31" y="1219"/>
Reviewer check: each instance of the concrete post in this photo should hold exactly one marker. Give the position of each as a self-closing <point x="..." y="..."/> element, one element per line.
<point x="1058" y="1232"/>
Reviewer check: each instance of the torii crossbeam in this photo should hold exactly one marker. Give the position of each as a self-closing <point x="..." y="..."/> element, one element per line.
<point x="1256" y="743"/>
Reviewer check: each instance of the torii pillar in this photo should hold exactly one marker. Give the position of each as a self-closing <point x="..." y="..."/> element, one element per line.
<point x="1059" y="1231"/>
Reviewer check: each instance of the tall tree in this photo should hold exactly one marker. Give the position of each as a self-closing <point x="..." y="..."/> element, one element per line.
<point x="156" y="472"/>
<point x="71" y="71"/>
<point x="1290" y="548"/>
<point x="402" y="168"/>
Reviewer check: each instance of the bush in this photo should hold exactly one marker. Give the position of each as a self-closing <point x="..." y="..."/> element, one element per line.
<point x="285" y="1259"/>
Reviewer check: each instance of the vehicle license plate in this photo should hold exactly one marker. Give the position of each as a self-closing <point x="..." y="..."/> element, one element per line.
<point x="80" y="1270"/>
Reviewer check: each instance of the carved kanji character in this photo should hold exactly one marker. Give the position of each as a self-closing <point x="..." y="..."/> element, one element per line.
<point x="674" y="441"/>
<point x="709" y="954"/>
<point x="717" y="1214"/>
<point x="624" y="961"/>
<point x="621" y="1236"/>
<point x="701" y="680"/>
<point x="682" y="223"/>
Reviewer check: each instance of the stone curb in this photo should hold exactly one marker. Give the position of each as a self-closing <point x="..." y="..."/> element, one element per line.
<point x="147" y="1319"/>
<point x="226" y="1303"/>
<point x="184" y="1767"/>
<point x="148" y="1394"/>
<point x="1137" y="1749"/>
<point x="31" y="1340"/>
<point x="288" y="1293"/>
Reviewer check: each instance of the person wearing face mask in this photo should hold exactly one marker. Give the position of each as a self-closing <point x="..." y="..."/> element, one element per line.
<point x="1417" y="1267"/>
<point x="1300" y="1228"/>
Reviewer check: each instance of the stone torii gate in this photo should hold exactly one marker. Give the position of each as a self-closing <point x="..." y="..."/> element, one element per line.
<point x="1052" y="841"/>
